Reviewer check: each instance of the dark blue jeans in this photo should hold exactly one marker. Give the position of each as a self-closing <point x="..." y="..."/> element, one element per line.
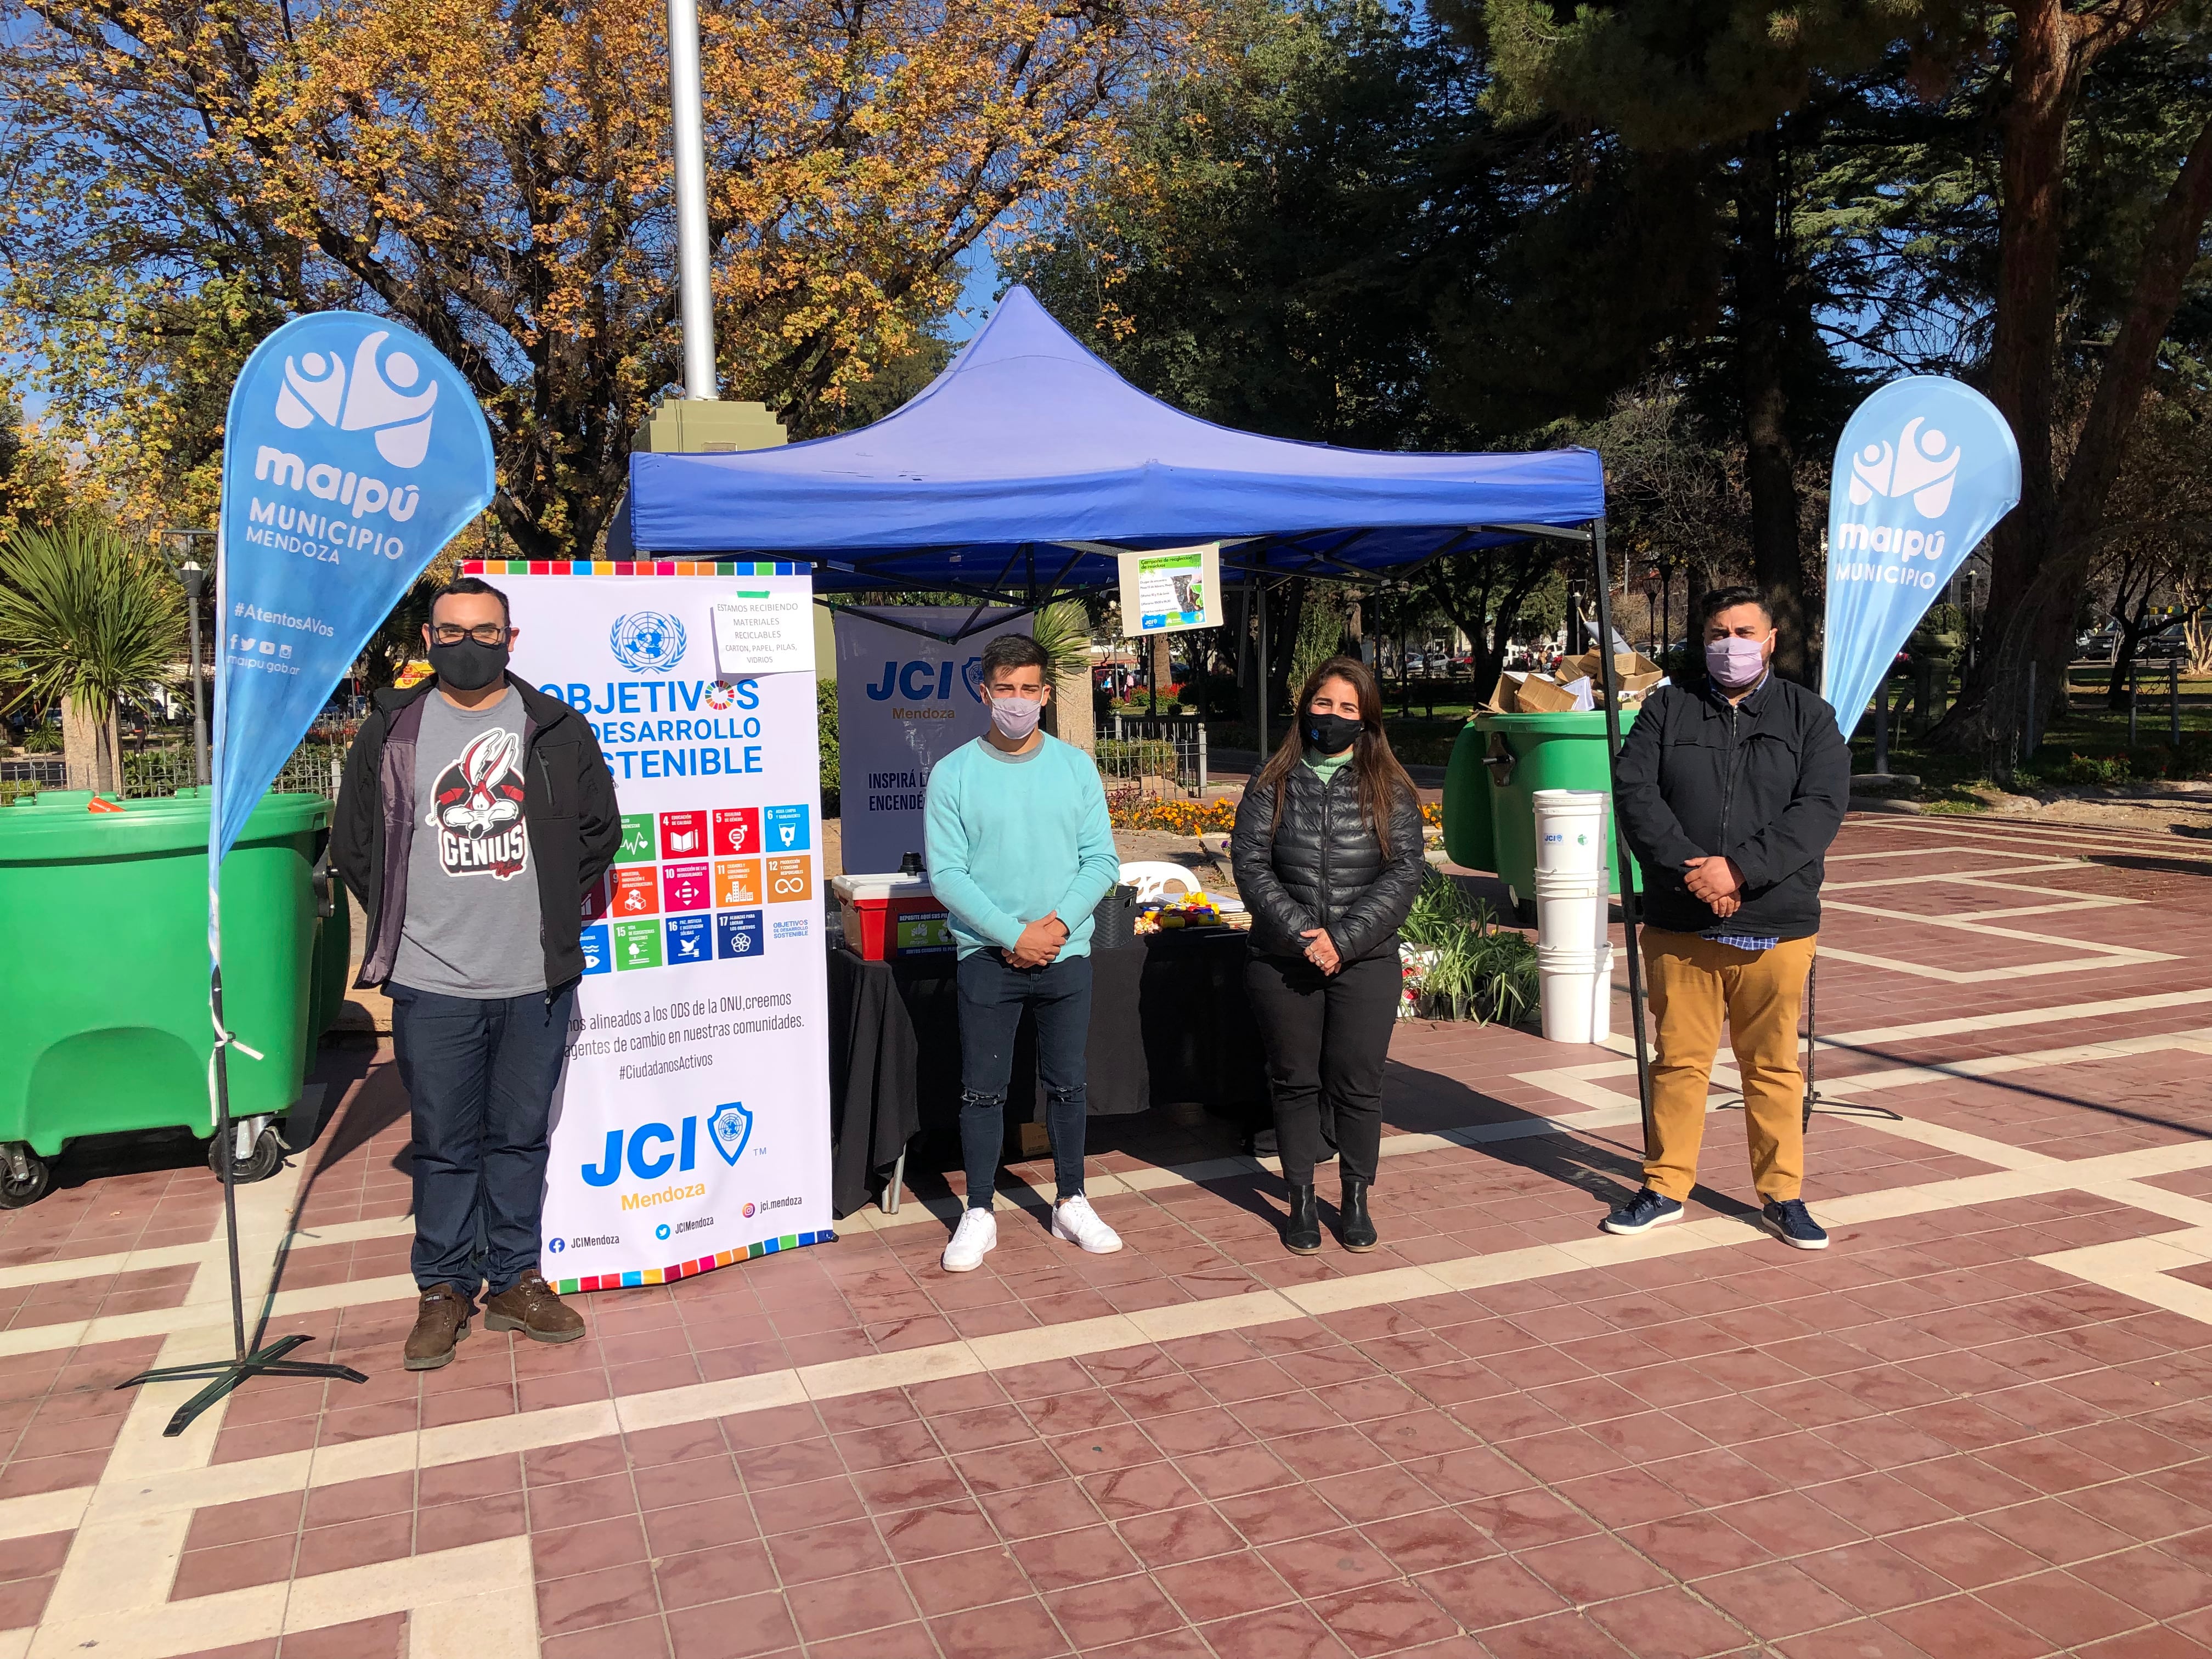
<point x="992" y="997"/>
<point x="480" y="1077"/>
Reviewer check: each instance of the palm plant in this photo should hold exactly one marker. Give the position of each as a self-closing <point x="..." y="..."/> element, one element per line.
<point x="1062" y="629"/>
<point x="88" y="618"/>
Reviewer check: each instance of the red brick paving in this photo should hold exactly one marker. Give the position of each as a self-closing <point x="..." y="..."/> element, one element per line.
<point x="1919" y="1444"/>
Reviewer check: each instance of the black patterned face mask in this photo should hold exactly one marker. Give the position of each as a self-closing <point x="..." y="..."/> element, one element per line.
<point x="1331" y="734"/>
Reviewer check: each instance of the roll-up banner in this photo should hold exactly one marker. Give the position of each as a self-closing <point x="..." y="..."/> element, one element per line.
<point x="691" y="1127"/>
<point x="905" y="701"/>
<point x="1923" y="471"/>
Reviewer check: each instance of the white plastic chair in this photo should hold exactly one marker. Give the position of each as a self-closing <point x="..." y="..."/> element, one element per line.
<point x="1151" y="878"/>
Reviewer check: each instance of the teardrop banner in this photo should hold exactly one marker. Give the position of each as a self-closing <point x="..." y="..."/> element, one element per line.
<point x="353" y="452"/>
<point x="1923" y="470"/>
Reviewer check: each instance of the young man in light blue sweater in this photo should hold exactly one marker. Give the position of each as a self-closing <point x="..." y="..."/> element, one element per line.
<point x="1020" y="853"/>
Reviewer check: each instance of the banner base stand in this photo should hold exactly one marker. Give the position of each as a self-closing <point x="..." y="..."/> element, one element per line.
<point x="226" y="1375"/>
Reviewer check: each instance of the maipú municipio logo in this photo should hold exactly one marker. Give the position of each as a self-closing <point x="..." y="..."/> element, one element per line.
<point x="368" y="398"/>
<point x="646" y="642"/>
<point x="1915" y="466"/>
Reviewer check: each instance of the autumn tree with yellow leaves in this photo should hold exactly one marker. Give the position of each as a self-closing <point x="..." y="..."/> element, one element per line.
<point x="495" y="174"/>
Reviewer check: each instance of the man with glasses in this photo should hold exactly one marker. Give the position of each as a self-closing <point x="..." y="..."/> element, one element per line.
<point x="1020" y="853"/>
<point x="475" y="817"/>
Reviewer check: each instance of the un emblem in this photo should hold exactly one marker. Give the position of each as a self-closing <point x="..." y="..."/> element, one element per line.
<point x="730" y="1127"/>
<point x="646" y="642"/>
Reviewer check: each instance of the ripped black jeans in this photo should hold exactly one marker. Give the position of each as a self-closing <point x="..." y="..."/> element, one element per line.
<point x="992" y="997"/>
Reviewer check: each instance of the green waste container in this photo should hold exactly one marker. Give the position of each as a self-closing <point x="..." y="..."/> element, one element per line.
<point x="103" y="992"/>
<point x="1498" y="764"/>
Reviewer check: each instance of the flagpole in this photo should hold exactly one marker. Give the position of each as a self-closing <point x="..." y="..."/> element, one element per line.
<point x="694" y="290"/>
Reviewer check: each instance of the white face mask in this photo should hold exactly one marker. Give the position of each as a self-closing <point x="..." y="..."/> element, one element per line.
<point x="1016" y="717"/>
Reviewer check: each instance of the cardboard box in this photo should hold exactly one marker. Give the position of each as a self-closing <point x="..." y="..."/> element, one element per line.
<point x="1538" y="695"/>
<point x="1503" y="696"/>
<point x="1635" y="672"/>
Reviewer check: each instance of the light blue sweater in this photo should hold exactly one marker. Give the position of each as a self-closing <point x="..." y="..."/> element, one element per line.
<point x="1012" y="840"/>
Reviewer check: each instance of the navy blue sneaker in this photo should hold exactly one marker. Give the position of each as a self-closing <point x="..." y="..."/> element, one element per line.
<point x="1791" y="1222"/>
<point x="1642" y="1214"/>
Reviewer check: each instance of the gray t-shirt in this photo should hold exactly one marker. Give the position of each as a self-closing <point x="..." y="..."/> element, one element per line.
<point x="472" y="923"/>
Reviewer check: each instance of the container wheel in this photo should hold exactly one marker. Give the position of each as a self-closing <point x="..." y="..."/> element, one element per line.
<point x="25" y="1183"/>
<point x="268" y="1158"/>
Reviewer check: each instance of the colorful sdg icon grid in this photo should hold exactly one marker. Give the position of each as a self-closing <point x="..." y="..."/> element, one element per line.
<point x="690" y="886"/>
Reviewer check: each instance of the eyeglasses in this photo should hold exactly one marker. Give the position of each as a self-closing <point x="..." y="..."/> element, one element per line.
<point x="483" y="634"/>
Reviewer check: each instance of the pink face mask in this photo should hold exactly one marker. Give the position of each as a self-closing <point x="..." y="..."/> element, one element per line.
<point x="1016" y="717"/>
<point x="1736" y="661"/>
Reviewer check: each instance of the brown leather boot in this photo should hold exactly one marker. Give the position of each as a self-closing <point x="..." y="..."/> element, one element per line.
<point x="530" y="1306"/>
<point x="440" y="1322"/>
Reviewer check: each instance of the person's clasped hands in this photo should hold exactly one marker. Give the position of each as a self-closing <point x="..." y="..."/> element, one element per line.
<point x="1716" y="882"/>
<point x="1040" y="942"/>
<point x="1320" y="950"/>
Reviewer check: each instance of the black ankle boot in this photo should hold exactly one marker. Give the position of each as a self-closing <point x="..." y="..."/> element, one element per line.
<point x="1359" y="1230"/>
<point x="1302" y="1231"/>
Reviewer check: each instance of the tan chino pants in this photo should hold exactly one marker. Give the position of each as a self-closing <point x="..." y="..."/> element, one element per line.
<point x="1693" y="984"/>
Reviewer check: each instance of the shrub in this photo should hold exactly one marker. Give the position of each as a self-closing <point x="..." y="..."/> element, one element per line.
<point x="41" y="739"/>
<point x="1481" y="970"/>
<point x="825" y="729"/>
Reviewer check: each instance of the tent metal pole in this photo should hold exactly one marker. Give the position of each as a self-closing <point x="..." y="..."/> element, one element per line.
<point x="1629" y="905"/>
<point x="1267" y="672"/>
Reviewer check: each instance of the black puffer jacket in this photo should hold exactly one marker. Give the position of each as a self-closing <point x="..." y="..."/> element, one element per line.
<point x="1323" y="866"/>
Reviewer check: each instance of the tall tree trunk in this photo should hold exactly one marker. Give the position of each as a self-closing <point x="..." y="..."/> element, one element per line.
<point x="89" y="745"/>
<point x="1762" y="297"/>
<point x="1159" y="672"/>
<point x="2031" y="177"/>
<point x="2040" y="554"/>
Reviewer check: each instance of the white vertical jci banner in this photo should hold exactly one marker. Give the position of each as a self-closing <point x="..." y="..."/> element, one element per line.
<point x="691" y="1128"/>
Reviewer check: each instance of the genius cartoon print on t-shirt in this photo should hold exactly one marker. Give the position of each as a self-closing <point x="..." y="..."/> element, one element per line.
<point x="477" y="809"/>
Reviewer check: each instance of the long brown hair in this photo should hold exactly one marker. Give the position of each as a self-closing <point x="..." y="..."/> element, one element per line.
<point x="1381" y="777"/>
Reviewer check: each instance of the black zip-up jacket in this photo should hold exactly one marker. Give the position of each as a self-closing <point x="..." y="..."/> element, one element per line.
<point x="567" y="802"/>
<point x="1323" y="867"/>
<point x="1764" y="783"/>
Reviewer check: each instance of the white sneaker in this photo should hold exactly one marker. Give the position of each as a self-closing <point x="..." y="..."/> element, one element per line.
<point x="1075" y="1221"/>
<point x="975" y="1237"/>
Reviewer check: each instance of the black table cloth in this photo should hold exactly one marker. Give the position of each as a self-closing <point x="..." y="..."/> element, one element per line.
<point x="1169" y="1025"/>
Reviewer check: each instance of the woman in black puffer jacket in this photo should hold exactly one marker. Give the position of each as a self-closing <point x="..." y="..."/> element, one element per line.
<point x="1328" y="855"/>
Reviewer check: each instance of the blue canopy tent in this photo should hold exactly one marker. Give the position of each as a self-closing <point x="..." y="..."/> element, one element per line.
<point x="1028" y="464"/>
<point x="1029" y="458"/>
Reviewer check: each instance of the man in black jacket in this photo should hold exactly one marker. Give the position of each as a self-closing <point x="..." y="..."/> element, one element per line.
<point x="1729" y="792"/>
<point x="475" y="814"/>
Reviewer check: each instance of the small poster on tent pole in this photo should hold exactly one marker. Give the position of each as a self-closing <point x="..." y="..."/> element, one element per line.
<point x="1171" y="590"/>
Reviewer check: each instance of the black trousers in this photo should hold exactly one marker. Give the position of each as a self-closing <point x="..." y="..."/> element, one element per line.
<point x="1327" y="1037"/>
<point x="992" y="996"/>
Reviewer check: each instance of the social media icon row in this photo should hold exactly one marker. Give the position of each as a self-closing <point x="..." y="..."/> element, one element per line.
<point x="671" y="941"/>
<point x="724" y="832"/>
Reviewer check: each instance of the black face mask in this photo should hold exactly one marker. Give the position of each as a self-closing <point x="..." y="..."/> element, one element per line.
<point x="467" y="666"/>
<point x="1331" y="734"/>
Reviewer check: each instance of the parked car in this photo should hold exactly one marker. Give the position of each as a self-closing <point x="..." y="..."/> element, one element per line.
<point x="2167" y="642"/>
<point x="2098" y="645"/>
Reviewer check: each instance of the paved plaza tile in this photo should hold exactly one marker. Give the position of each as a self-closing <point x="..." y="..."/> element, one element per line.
<point x="1976" y="1427"/>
